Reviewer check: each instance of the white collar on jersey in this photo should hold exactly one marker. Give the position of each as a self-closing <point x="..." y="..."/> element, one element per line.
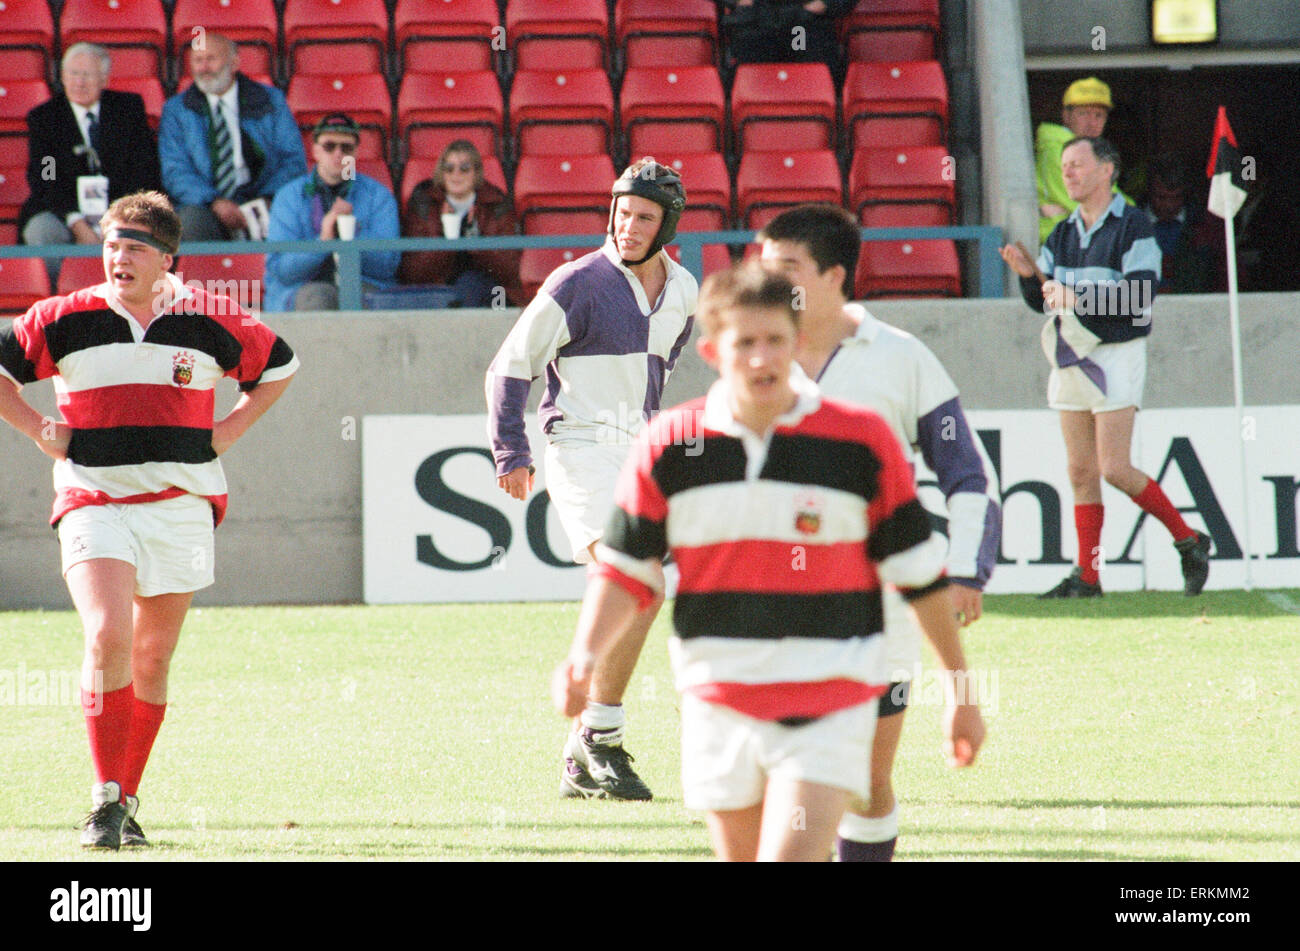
<point x="868" y="325"/>
<point x="720" y="416"/>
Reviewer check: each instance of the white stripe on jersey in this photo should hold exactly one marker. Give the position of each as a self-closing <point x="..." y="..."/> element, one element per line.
<point x="710" y="514"/>
<point x="119" y="364"/>
<point x="709" y="660"/>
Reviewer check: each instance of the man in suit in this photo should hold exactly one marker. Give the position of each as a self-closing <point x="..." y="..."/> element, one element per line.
<point x="210" y="168"/>
<point x="88" y="146"/>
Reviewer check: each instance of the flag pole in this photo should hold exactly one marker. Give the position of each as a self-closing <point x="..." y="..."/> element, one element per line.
<point x="1234" y="319"/>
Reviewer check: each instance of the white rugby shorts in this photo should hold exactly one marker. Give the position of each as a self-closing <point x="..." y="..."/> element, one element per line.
<point x="1125" y="368"/>
<point x="580" y="478"/>
<point x="169" y="542"/>
<point x="728" y="757"/>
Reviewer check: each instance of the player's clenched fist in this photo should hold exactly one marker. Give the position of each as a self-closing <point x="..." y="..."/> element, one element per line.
<point x="517" y="482"/>
<point x="964" y="732"/>
<point x="569" y="685"/>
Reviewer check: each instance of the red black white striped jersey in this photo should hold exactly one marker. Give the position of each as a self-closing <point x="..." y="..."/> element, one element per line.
<point x="139" y="400"/>
<point x="783" y="544"/>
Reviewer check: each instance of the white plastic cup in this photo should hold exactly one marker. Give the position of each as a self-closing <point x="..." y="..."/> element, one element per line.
<point x="347" y="227"/>
<point x="451" y="225"/>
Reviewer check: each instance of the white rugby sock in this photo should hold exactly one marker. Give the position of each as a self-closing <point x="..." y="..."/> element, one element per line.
<point x="857" y="828"/>
<point x="600" y="716"/>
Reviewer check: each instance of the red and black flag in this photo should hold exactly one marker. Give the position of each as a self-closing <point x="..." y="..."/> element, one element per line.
<point x="1227" y="187"/>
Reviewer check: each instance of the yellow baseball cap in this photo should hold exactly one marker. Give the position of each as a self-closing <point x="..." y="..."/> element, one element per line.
<point x="1088" y="92"/>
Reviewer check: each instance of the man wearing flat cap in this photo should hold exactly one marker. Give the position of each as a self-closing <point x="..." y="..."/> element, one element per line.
<point x="332" y="201"/>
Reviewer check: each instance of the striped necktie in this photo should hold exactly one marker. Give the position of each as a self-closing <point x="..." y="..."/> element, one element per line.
<point x="92" y="129"/>
<point x="223" y="152"/>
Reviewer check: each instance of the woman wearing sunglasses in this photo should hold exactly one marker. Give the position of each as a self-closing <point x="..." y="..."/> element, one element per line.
<point x="456" y="202"/>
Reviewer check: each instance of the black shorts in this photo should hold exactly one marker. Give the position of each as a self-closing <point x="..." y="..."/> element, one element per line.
<point x="894" y="700"/>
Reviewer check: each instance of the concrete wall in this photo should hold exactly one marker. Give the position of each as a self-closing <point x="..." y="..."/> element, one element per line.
<point x="294" y="529"/>
<point x="1069" y="24"/>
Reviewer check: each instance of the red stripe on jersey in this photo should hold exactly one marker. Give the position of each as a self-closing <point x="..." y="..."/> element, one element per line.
<point x="779" y="567"/>
<point x="780" y="700"/>
<point x="68" y="499"/>
<point x="638" y="589"/>
<point x="137" y="404"/>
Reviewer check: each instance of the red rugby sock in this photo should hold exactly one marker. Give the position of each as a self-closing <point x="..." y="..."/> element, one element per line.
<point x="108" y="723"/>
<point x="146" y="719"/>
<point x="1153" y="501"/>
<point x="1087" y="525"/>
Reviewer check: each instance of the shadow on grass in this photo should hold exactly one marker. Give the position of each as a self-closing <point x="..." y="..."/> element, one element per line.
<point x="1126" y="604"/>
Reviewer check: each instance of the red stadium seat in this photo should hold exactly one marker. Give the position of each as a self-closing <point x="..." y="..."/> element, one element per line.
<point x="76" y="273"/>
<point x="535" y="264"/>
<point x="889" y="104"/>
<point x="679" y="107"/>
<point x="558" y="195"/>
<point x="908" y="269"/>
<point x="148" y="88"/>
<point x="714" y="257"/>
<point x="667" y="32"/>
<point x="566" y="112"/>
<point x="135" y="31"/>
<point x="903" y="186"/>
<point x="13" y="192"/>
<point x="891" y="30"/>
<point x="544" y="34"/>
<point x="418" y="169"/>
<point x="17" y="98"/>
<point x="24" y="281"/>
<point x="26" y="39"/>
<point x="708" y="189"/>
<point x="250" y="24"/>
<point x="240" y="277"/>
<point x="434" y="109"/>
<point x="774" y="105"/>
<point x="769" y="182"/>
<point x="321" y="35"/>
<point x="445" y="35"/>
<point x="378" y="170"/>
<point x="364" y="97"/>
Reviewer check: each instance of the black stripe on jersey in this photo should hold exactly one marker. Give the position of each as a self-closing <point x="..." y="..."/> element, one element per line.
<point x="14" y="359"/>
<point x="815" y="460"/>
<point x="906" y="526"/>
<point x="912" y="594"/>
<point x="635" y="535"/>
<point x="197" y="332"/>
<point x="84" y="329"/>
<point x="134" y="445"/>
<point x="767" y="615"/>
<point x="280" y="356"/>
<point x="712" y="460"/>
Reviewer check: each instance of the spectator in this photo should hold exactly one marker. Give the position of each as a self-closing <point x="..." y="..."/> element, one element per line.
<point x="1187" y="248"/>
<point x="457" y="188"/>
<point x="1084" y="109"/>
<point x="311" y="206"/>
<point x="65" y="135"/>
<point x="786" y="31"/>
<point x="207" y="171"/>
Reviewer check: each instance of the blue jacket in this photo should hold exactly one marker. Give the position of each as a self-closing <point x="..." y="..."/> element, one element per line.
<point x="293" y="218"/>
<point x="270" y="139"/>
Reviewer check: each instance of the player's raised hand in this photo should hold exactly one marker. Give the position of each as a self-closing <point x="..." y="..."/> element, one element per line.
<point x="518" y="483"/>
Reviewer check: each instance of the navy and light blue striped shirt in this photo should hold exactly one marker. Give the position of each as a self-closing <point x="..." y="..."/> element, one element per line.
<point x="1112" y="267"/>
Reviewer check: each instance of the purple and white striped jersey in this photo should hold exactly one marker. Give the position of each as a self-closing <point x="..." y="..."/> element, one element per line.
<point x="605" y="349"/>
<point x="895" y="374"/>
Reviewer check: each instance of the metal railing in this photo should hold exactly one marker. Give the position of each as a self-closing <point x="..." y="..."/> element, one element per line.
<point x="987" y="237"/>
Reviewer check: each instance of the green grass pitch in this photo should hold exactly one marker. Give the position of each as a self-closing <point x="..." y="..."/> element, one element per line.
<point x="1142" y="727"/>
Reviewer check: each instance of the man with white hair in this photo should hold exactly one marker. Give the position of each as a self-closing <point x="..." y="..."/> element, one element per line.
<point x="71" y="176"/>
<point x="225" y="141"/>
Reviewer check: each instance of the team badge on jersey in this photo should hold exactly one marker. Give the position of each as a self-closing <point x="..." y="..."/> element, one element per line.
<point x="183" y="368"/>
<point x="808" y="514"/>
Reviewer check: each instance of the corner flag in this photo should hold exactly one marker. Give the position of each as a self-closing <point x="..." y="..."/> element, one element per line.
<point x="1227" y="188"/>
